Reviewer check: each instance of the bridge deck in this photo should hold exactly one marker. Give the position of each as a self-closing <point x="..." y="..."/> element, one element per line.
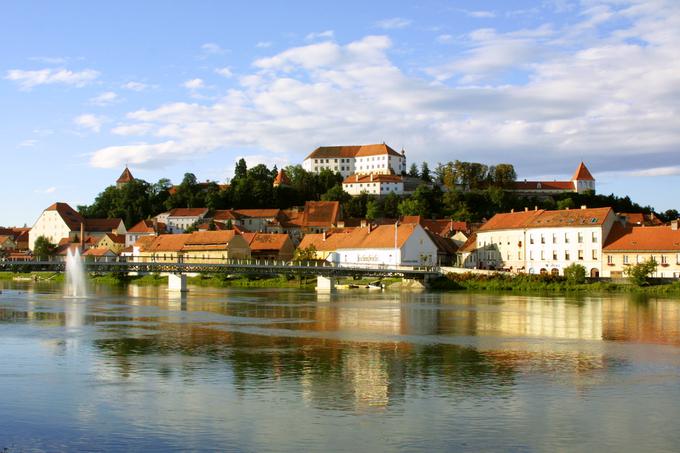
<point x="256" y="267"/>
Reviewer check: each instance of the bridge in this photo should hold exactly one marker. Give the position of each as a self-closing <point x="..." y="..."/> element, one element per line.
<point x="326" y="272"/>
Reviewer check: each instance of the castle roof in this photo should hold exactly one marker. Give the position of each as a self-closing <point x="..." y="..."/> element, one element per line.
<point x="126" y="176"/>
<point x="582" y="174"/>
<point x="352" y="151"/>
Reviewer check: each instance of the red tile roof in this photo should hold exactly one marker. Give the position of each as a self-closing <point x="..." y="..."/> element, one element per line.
<point x="258" y="213"/>
<point x="126" y="176"/>
<point x="188" y="212"/>
<point x="71" y="217"/>
<point x="442" y="227"/>
<point x="545" y="219"/>
<point x="544" y="185"/>
<point x="144" y="226"/>
<point x="98" y="251"/>
<point x="266" y="241"/>
<point x="582" y="174"/>
<point x="281" y="179"/>
<point x="360" y="238"/>
<point x="116" y="238"/>
<point x="352" y="151"/>
<point x="642" y="239"/>
<point x="470" y="245"/>
<point x="321" y="213"/>
<point x="359" y="179"/>
<point x="101" y="225"/>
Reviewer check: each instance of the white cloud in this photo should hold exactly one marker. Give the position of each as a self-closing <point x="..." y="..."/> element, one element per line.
<point x="135" y="86"/>
<point x="50" y="60"/>
<point x="224" y="72"/>
<point x="29" y="79"/>
<point x="210" y="48"/>
<point x="89" y="121"/>
<point x="28" y="143"/>
<point x="132" y="129"/>
<point x="328" y="34"/>
<point x="105" y="98"/>
<point x="263" y="44"/>
<point x="481" y="14"/>
<point x="194" y="84"/>
<point x="49" y="190"/>
<point x="610" y="99"/>
<point x="393" y="23"/>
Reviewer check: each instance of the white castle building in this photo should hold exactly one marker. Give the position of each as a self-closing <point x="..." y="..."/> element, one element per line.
<point x="377" y="159"/>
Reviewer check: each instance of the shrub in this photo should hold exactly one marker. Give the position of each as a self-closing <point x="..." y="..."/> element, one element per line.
<point x="639" y="273"/>
<point x="575" y="273"/>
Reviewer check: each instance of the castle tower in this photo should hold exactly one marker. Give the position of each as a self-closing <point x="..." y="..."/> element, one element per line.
<point x="125" y="178"/>
<point x="583" y="180"/>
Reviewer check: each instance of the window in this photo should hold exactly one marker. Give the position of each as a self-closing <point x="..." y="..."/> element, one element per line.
<point x="625" y="259"/>
<point x="610" y="259"/>
<point x="542" y="255"/>
<point x="531" y="254"/>
<point x="663" y="259"/>
<point x="594" y="237"/>
<point x="594" y="255"/>
<point x="567" y="257"/>
<point x="531" y="239"/>
<point x="554" y="236"/>
<point x="542" y="239"/>
<point x="580" y="254"/>
<point x="580" y="238"/>
<point x="566" y="238"/>
<point x="554" y="255"/>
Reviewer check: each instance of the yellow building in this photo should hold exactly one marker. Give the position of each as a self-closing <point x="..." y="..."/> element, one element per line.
<point x="198" y="247"/>
<point x="631" y="245"/>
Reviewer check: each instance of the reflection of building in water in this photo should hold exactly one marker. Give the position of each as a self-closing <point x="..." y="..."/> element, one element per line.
<point x="364" y="378"/>
<point x="647" y="321"/>
<point x="530" y="316"/>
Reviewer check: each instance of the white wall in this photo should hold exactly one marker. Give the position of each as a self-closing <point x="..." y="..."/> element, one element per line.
<point x="51" y="225"/>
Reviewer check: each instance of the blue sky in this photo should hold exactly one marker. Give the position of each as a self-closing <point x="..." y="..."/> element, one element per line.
<point x="175" y="87"/>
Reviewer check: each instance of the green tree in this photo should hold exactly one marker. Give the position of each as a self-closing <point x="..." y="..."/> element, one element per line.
<point x="413" y="206"/>
<point x="413" y="171"/>
<point x="566" y="203"/>
<point x="390" y="205"/>
<point x="575" y="273"/>
<point x="373" y="210"/>
<point x="306" y="254"/>
<point x="241" y="169"/>
<point x="639" y="273"/>
<point x="425" y="172"/>
<point x="43" y="248"/>
<point x="336" y="193"/>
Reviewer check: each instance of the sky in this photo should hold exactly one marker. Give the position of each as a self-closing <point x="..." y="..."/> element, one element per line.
<point x="192" y="86"/>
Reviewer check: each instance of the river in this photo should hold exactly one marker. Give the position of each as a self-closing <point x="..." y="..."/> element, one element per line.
<point x="139" y="369"/>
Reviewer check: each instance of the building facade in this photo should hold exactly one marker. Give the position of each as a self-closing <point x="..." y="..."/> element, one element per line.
<point x="581" y="181"/>
<point x="361" y="159"/>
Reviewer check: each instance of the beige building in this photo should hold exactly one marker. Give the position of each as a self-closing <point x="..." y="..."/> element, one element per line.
<point x="631" y="245"/>
<point x="360" y="159"/>
<point x="197" y="247"/>
<point x="540" y="241"/>
<point x="60" y="221"/>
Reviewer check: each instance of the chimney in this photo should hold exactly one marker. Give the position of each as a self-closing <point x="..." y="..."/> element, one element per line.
<point x="674" y="225"/>
<point x="512" y="210"/>
<point x="567" y="208"/>
<point x="323" y="236"/>
<point x="356" y="178"/>
<point x="370" y="227"/>
<point x="584" y="206"/>
<point x="363" y="223"/>
<point x="535" y="208"/>
<point x="526" y="209"/>
<point x="155" y="225"/>
<point x="82" y="237"/>
<point x="371" y="177"/>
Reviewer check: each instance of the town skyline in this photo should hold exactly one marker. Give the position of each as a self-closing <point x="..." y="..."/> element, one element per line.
<point x="542" y="88"/>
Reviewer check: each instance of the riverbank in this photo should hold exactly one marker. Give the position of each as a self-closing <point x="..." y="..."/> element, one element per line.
<point x="544" y="284"/>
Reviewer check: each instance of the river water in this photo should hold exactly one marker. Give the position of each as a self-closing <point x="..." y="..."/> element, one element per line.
<point x="139" y="369"/>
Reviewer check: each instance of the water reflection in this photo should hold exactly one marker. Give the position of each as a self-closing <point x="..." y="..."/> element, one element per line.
<point x="200" y="361"/>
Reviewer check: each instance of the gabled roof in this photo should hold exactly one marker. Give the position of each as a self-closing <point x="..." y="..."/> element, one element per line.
<point x="352" y="151"/>
<point x="101" y="225"/>
<point x="543" y="185"/>
<point x="362" y="238"/>
<point x="126" y="176"/>
<point x="470" y="245"/>
<point x="321" y="213"/>
<point x="360" y="179"/>
<point x="163" y="243"/>
<point x="642" y="239"/>
<point x="115" y="238"/>
<point x="5" y="238"/>
<point x="258" y="213"/>
<point x="188" y="212"/>
<point x="99" y="251"/>
<point x="582" y="174"/>
<point x="443" y="244"/>
<point x="144" y="226"/>
<point x="442" y="227"/>
<point x="266" y="241"/>
<point x="70" y="216"/>
<point x="546" y="219"/>
<point x="226" y="214"/>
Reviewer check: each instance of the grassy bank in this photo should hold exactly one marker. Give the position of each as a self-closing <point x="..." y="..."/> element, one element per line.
<point x="544" y="284"/>
<point x="35" y="276"/>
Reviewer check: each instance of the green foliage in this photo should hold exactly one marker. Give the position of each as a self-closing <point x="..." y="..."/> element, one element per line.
<point x="575" y="273"/>
<point x="43" y="248"/>
<point x="413" y="171"/>
<point x="425" y="172"/>
<point x="306" y="254"/>
<point x="336" y="193"/>
<point x="373" y="210"/>
<point x="639" y="273"/>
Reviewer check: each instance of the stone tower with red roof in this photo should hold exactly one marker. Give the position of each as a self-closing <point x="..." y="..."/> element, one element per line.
<point x="583" y="180"/>
<point x="125" y="178"/>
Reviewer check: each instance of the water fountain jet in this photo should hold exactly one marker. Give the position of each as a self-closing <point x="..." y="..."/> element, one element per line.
<point x="75" y="274"/>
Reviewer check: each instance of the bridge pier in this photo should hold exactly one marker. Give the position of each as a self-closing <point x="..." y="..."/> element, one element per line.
<point x="325" y="284"/>
<point x="177" y="282"/>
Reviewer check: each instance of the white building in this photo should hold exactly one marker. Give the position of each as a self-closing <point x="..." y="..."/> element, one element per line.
<point x="179" y="219"/>
<point x="543" y="241"/>
<point x="405" y="244"/>
<point x="61" y="221"/>
<point x="581" y="181"/>
<point x="362" y="159"/>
